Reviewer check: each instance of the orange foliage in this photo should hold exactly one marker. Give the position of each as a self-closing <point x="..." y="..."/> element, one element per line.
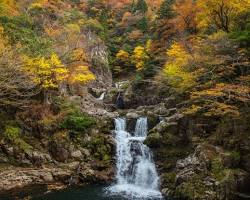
<point x="186" y="18"/>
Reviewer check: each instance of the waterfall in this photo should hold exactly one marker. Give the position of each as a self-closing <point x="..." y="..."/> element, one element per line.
<point x="101" y="97"/>
<point x="136" y="175"/>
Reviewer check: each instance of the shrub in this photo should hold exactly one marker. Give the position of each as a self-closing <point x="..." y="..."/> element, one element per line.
<point x="77" y="122"/>
<point x="236" y="157"/>
<point x="12" y="132"/>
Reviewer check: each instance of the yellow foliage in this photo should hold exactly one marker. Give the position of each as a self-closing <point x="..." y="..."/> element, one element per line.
<point x="47" y="73"/>
<point x="52" y="31"/>
<point x="122" y="55"/>
<point x="192" y="110"/>
<point x="149" y="45"/>
<point x="222" y="109"/>
<point x="81" y="74"/>
<point x="210" y="11"/>
<point x="73" y="28"/>
<point x="176" y="69"/>
<point x="78" y="54"/>
<point x="35" y="5"/>
<point x="8" y="7"/>
<point x="139" y="57"/>
<point x="38" y="4"/>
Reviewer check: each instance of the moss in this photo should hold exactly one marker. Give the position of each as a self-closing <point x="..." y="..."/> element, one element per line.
<point x="99" y="147"/>
<point x="24" y="146"/>
<point x="106" y="157"/>
<point x="13" y="134"/>
<point x="235" y="156"/>
<point x="217" y="169"/>
<point x="168" y="180"/>
<point x="153" y="140"/>
<point x="185" y="191"/>
<point x="193" y="189"/>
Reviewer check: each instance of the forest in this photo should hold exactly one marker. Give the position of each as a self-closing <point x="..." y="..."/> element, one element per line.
<point x="72" y="70"/>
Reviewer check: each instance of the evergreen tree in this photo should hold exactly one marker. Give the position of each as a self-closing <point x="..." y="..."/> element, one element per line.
<point x="142" y="6"/>
<point x="166" y="11"/>
<point x="143" y="24"/>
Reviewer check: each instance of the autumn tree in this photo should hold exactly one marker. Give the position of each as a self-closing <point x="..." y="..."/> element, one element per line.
<point x="186" y="14"/>
<point x="220" y="13"/>
<point x="16" y="87"/>
<point x="50" y="73"/>
<point x="8" y="7"/>
<point x="177" y="69"/>
<point x="139" y="57"/>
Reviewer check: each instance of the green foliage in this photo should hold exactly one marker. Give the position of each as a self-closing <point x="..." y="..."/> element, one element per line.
<point x="166" y="11"/>
<point x="217" y="169"/>
<point x="12" y="132"/>
<point x="142" y="6"/>
<point x="143" y="24"/>
<point x="235" y="156"/>
<point x="77" y="122"/>
<point x="94" y="25"/>
<point x="21" y="30"/>
<point x="242" y="37"/>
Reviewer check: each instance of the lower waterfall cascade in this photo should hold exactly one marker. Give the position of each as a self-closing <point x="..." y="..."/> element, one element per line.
<point x="136" y="175"/>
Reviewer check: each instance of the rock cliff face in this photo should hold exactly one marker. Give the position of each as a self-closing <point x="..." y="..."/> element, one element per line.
<point x="58" y="159"/>
<point x="192" y="160"/>
<point x="98" y="56"/>
<point x="197" y="157"/>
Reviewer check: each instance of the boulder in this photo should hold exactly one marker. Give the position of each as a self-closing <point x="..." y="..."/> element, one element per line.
<point x="77" y="154"/>
<point x="132" y="115"/>
<point x="58" y="152"/>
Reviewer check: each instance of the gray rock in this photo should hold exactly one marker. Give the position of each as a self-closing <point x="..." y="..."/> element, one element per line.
<point x="85" y="152"/>
<point x="77" y="154"/>
<point x="132" y="115"/>
<point x="47" y="177"/>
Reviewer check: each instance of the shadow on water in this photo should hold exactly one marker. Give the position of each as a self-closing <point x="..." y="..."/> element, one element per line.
<point x="91" y="192"/>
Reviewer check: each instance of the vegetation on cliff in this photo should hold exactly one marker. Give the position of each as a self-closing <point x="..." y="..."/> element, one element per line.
<point x="192" y="56"/>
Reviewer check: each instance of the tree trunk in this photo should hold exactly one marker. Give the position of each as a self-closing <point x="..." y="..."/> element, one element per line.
<point x="47" y="97"/>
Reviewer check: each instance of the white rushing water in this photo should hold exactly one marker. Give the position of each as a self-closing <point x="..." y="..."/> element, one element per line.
<point x="136" y="173"/>
<point x="101" y="97"/>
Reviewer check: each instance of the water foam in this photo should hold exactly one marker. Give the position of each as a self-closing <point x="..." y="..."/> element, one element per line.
<point x="136" y="176"/>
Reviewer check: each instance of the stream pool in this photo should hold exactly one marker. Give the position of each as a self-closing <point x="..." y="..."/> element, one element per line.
<point x="90" y="192"/>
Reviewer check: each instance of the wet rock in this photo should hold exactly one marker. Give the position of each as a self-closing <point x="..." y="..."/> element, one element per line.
<point x="62" y="175"/>
<point x="22" y="177"/>
<point x="174" y="118"/>
<point x="132" y="115"/>
<point x="164" y="126"/>
<point x="77" y="154"/>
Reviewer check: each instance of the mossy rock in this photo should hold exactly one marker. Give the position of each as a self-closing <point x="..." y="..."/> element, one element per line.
<point x="153" y="140"/>
<point x="168" y="179"/>
<point x="99" y="147"/>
